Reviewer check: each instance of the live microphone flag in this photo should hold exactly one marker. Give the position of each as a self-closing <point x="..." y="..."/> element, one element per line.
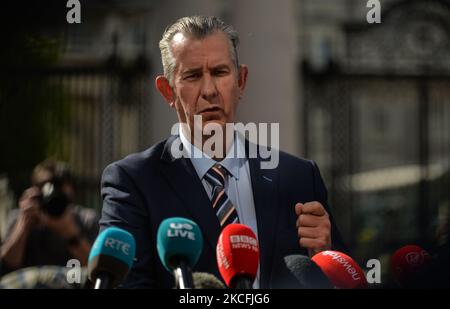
<point x="179" y="245"/>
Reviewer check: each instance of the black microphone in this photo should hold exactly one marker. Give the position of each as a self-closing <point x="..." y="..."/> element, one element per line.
<point x="206" y="281"/>
<point x="305" y="274"/>
<point x="111" y="258"/>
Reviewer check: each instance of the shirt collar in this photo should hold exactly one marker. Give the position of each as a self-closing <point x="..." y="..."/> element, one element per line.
<point x="232" y="162"/>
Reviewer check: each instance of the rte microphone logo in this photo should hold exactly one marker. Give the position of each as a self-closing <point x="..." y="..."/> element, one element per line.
<point x="118" y="245"/>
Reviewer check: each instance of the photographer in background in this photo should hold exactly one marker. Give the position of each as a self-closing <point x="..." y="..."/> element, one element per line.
<point x="47" y="229"/>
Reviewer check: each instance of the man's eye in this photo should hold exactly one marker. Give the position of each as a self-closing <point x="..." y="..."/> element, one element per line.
<point x="192" y="76"/>
<point x="221" y="72"/>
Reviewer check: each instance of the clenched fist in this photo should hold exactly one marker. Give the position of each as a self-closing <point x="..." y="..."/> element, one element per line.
<point x="313" y="227"/>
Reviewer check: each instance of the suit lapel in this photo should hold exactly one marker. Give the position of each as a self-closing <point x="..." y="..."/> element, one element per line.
<point x="264" y="182"/>
<point x="183" y="179"/>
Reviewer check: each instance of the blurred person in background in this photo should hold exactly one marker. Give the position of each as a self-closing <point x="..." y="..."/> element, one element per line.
<point x="47" y="228"/>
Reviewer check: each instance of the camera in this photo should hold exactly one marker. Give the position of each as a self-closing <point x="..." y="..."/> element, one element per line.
<point x="53" y="201"/>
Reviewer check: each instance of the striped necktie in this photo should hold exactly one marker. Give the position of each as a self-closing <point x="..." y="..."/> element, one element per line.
<point x="224" y="208"/>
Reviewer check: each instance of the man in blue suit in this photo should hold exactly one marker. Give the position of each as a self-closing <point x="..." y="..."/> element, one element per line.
<point x="286" y="206"/>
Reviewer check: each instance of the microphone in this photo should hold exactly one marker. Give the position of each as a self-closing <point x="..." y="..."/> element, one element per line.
<point x="408" y="263"/>
<point x="179" y="244"/>
<point x="238" y="256"/>
<point x="341" y="270"/>
<point x="206" y="281"/>
<point x="307" y="273"/>
<point x="111" y="257"/>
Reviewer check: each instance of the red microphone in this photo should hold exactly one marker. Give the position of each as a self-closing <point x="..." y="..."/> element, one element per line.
<point x="238" y="256"/>
<point x="407" y="262"/>
<point x="341" y="270"/>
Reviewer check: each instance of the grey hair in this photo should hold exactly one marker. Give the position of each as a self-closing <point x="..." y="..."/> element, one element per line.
<point x="197" y="27"/>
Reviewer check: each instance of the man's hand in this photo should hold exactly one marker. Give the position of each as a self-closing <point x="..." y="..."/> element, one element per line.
<point x="12" y="251"/>
<point x="31" y="215"/>
<point x="313" y="227"/>
<point x="29" y="212"/>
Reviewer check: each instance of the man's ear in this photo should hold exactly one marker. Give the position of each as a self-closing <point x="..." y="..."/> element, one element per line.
<point x="242" y="78"/>
<point x="163" y="86"/>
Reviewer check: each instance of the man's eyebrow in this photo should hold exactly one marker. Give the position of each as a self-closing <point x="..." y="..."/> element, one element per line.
<point x="221" y="66"/>
<point x="196" y="70"/>
<point x="192" y="70"/>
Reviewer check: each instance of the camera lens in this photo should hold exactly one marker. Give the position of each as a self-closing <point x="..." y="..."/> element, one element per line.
<point x="54" y="201"/>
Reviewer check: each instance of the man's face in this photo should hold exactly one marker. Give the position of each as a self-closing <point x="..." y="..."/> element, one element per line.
<point x="205" y="80"/>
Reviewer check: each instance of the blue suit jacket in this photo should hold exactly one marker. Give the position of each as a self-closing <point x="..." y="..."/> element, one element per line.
<point x="145" y="188"/>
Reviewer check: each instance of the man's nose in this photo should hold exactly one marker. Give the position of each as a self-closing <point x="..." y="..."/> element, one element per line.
<point x="209" y="89"/>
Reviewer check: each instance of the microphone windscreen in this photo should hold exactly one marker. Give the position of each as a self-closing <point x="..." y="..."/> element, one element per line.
<point x="307" y="272"/>
<point x="341" y="270"/>
<point x="237" y="253"/>
<point x="112" y="252"/>
<point x="181" y="238"/>
<point x="409" y="261"/>
<point x="206" y="281"/>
